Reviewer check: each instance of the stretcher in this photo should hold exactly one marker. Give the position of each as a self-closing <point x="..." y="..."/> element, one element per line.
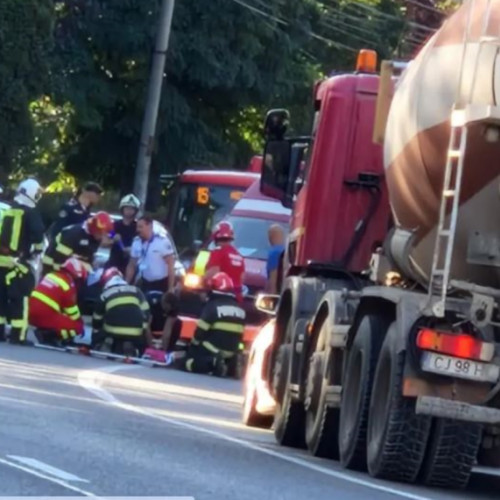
<point x="82" y="347"/>
<point x="83" y="350"/>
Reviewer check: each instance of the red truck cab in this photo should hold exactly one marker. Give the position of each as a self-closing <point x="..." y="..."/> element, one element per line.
<point x="342" y="176"/>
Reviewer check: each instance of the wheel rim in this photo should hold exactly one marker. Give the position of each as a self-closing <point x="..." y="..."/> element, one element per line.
<point x="380" y="401"/>
<point x="313" y="391"/>
<point x="352" y="396"/>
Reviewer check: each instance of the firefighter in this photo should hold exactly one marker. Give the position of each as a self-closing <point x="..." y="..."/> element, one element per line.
<point x="77" y="210"/>
<point x="125" y="232"/>
<point x="79" y="240"/>
<point x="226" y="258"/>
<point x="53" y="305"/>
<point x="121" y="317"/>
<point x="21" y="236"/>
<point x="218" y="335"/>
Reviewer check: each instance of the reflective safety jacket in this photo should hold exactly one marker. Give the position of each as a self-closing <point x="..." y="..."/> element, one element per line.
<point x="221" y="325"/>
<point x="71" y="241"/>
<point x="200" y="262"/>
<point x="21" y="234"/>
<point x="122" y="310"/>
<point x="58" y="292"/>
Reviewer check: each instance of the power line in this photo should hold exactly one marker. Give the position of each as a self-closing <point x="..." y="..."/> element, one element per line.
<point x="392" y="17"/>
<point x="283" y="22"/>
<point x="351" y="26"/>
<point x="351" y="35"/>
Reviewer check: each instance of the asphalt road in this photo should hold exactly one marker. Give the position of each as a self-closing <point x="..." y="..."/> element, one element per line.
<point x="76" y="426"/>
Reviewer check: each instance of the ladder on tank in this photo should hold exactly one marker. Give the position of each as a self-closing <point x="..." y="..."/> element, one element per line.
<point x="463" y="114"/>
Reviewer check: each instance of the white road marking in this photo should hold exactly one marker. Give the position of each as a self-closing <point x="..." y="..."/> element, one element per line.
<point x="91" y="380"/>
<point x="47" y="469"/>
<point x="47" y="478"/>
<point x="36" y="403"/>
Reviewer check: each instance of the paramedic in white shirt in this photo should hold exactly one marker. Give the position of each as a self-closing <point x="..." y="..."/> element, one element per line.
<point x="152" y="259"/>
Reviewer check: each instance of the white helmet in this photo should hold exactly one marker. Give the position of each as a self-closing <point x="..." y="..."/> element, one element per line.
<point x="115" y="281"/>
<point x="130" y="200"/>
<point x="28" y="193"/>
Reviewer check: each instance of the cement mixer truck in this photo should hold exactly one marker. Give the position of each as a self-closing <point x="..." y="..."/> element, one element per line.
<point x="386" y="351"/>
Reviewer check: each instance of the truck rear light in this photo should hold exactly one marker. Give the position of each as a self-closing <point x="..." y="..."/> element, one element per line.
<point x="460" y="345"/>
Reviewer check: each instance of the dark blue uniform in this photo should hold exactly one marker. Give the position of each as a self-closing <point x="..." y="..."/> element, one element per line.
<point x="72" y="241"/>
<point x="117" y="257"/>
<point x="72" y="212"/>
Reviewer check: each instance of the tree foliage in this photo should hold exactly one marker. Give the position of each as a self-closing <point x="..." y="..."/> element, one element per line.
<point x="78" y="104"/>
<point x="25" y="41"/>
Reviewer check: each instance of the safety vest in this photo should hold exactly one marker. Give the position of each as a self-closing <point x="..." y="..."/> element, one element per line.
<point x="20" y="229"/>
<point x="201" y="262"/>
<point x="221" y="325"/>
<point x="61" y="299"/>
<point x="122" y="310"/>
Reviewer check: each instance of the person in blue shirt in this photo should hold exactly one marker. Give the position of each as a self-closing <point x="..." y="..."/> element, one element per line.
<point x="277" y="242"/>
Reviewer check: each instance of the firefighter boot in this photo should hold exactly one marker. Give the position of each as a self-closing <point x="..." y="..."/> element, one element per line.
<point x="15" y="337"/>
<point x="129" y="350"/>
<point x="106" y="346"/>
<point x="220" y="366"/>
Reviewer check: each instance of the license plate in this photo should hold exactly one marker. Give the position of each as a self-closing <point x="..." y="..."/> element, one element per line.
<point x="459" y="368"/>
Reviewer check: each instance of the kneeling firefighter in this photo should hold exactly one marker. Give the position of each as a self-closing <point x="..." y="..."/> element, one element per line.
<point x="21" y="237"/>
<point x="121" y="317"/>
<point x="79" y="240"/>
<point x="53" y="305"/>
<point x="216" y="342"/>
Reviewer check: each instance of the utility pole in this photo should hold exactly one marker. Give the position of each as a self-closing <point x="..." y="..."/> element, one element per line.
<point x="153" y="101"/>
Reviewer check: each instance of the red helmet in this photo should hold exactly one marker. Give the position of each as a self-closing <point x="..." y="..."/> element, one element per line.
<point x="221" y="282"/>
<point x="75" y="268"/>
<point x="223" y="231"/>
<point x="100" y="223"/>
<point x="110" y="273"/>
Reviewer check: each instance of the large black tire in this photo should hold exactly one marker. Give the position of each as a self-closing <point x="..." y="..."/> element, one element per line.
<point x="357" y="389"/>
<point x="251" y="417"/>
<point x="288" y="415"/>
<point x="397" y="436"/>
<point x="321" y="421"/>
<point x="451" y="454"/>
<point x="489" y="451"/>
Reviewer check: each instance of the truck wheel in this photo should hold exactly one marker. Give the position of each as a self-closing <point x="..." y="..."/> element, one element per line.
<point x="356" y="391"/>
<point x="489" y="451"/>
<point x="397" y="436"/>
<point x="451" y="454"/>
<point x="251" y="417"/>
<point x="289" y="414"/>
<point x="321" y="421"/>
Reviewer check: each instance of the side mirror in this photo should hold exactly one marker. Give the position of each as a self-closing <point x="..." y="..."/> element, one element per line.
<point x="276" y="124"/>
<point x="275" y="169"/>
<point x="267" y="303"/>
